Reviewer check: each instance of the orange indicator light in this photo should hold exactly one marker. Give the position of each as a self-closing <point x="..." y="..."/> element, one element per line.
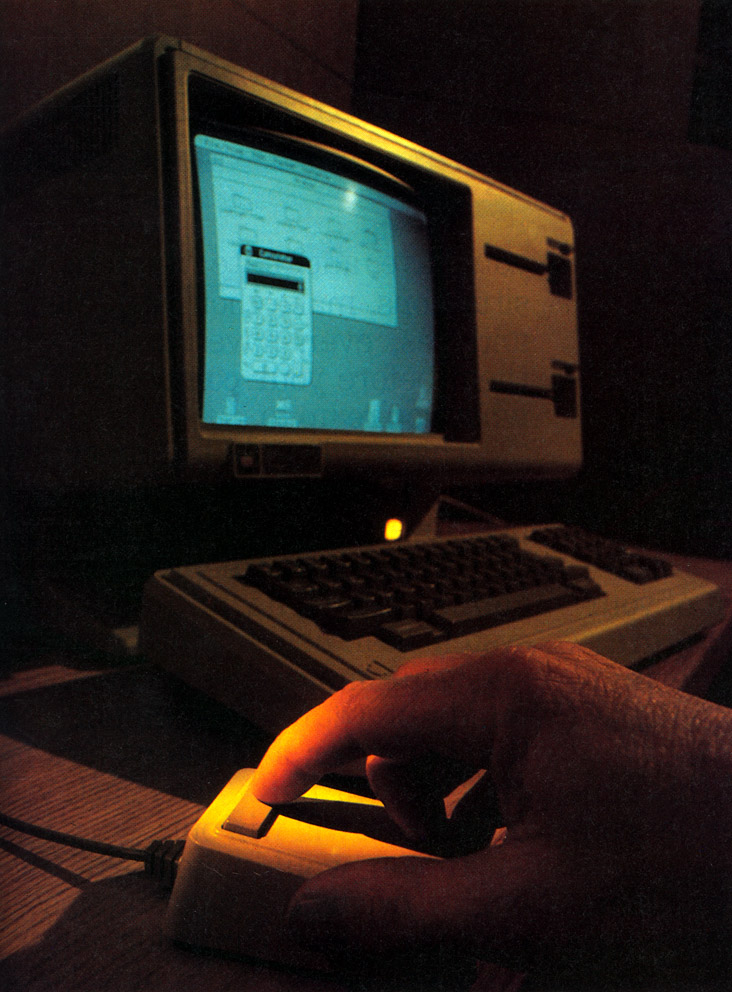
<point x="393" y="529"/>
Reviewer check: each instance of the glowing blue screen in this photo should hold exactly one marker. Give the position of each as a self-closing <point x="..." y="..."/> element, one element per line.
<point x="318" y="297"/>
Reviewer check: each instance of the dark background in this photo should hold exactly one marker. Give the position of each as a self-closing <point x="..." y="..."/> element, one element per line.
<point x="615" y="111"/>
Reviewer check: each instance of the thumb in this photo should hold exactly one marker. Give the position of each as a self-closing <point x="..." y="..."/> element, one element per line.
<point x="494" y="904"/>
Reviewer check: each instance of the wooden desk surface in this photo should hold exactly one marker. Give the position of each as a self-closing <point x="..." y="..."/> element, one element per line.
<point x="126" y="754"/>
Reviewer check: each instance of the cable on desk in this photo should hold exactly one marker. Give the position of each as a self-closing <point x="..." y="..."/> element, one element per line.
<point x="160" y="857"/>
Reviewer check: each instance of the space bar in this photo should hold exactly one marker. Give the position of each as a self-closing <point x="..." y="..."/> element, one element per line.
<point x="480" y="614"/>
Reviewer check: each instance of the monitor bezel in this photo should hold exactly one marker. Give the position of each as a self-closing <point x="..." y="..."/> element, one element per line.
<point x="237" y="104"/>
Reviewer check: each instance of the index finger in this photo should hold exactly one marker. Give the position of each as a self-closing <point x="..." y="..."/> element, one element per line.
<point x="439" y="711"/>
<point x="302" y="753"/>
<point x="348" y="725"/>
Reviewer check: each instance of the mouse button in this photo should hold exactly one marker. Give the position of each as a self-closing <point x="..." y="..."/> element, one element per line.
<point x="250" y="817"/>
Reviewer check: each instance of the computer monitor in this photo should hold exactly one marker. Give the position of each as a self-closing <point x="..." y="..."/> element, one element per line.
<point x="214" y="280"/>
<point x="317" y="294"/>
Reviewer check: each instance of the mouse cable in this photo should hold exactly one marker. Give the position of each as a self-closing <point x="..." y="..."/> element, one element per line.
<point x="160" y="857"/>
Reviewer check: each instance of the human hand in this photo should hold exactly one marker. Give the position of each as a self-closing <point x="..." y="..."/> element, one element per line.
<point x="616" y="793"/>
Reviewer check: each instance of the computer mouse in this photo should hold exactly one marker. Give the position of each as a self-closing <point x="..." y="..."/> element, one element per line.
<point x="244" y="860"/>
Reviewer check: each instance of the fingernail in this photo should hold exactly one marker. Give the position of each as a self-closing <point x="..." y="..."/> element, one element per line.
<point x="315" y="920"/>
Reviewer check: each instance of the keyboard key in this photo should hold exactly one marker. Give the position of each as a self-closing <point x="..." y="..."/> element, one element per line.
<point x="467" y="618"/>
<point x="408" y="635"/>
<point x="359" y="621"/>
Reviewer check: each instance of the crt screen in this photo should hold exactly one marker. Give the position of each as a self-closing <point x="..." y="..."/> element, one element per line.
<point x="318" y="300"/>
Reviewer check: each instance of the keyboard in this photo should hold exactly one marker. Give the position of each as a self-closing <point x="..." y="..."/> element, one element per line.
<point x="272" y="637"/>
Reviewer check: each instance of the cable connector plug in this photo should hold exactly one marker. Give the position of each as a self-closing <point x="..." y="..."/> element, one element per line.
<point x="161" y="860"/>
<point x="160" y="857"/>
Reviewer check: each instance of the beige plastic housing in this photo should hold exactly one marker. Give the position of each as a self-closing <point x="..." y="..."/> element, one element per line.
<point x="244" y="860"/>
